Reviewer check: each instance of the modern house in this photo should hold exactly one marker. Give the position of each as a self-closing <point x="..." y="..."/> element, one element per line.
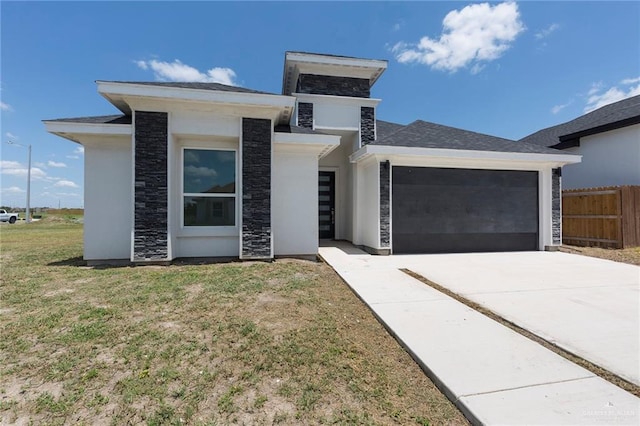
<point x="608" y="140"/>
<point x="208" y="170"/>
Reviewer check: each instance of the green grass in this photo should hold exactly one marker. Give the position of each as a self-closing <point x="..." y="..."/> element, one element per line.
<point x="244" y="343"/>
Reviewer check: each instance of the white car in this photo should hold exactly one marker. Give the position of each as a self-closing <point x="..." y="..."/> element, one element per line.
<point x="8" y="217"/>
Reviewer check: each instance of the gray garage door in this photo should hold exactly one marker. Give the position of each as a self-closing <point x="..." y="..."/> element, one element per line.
<point x="437" y="210"/>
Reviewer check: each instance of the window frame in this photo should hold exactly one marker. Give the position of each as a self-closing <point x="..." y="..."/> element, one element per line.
<point x="233" y="195"/>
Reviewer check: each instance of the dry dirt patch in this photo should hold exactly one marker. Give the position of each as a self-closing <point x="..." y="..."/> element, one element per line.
<point x="628" y="255"/>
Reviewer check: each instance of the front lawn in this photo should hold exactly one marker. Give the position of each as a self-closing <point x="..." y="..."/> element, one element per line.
<point x="247" y="343"/>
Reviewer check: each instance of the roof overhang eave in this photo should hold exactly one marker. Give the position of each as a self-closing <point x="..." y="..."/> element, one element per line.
<point x="321" y="145"/>
<point x="74" y="131"/>
<point x="372" y="68"/>
<point x="117" y="93"/>
<point x="555" y="160"/>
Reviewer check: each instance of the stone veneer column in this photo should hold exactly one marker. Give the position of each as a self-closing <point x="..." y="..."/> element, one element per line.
<point x="385" y="205"/>
<point x="305" y="114"/>
<point x="367" y="125"/>
<point x="556" y="206"/>
<point x="256" y="189"/>
<point x="150" y="228"/>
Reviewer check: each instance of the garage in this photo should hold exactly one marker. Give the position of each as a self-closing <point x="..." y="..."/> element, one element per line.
<point x="447" y="210"/>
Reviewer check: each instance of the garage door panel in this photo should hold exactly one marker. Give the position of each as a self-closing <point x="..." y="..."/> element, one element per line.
<point x="463" y="243"/>
<point x="444" y="207"/>
<point x="458" y="210"/>
<point x="463" y="177"/>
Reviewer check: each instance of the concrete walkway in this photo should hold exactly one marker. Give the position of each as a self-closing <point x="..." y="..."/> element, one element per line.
<point x="493" y="374"/>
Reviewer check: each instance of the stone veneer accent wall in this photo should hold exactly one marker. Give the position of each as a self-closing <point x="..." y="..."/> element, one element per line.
<point x="256" y="188"/>
<point x="332" y="85"/>
<point x="385" y="210"/>
<point x="305" y="114"/>
<point x="367" y="125"/>
<point x="556" y="206"/>
<point x="150" y="229"/>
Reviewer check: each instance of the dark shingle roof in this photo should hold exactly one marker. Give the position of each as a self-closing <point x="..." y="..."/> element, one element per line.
<point x="422" y="134"/>
<point x="386" y="128"/>
<point x="609" y="117"/>
<point x="100" y="119"/>
<point x="193" y="85"/>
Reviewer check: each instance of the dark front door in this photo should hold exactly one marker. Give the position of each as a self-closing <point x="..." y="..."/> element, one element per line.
<point x="438" y="210"/>
<point x="326" y="204"/>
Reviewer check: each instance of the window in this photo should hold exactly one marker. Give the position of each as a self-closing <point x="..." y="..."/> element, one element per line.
<point x="209" y="187"/>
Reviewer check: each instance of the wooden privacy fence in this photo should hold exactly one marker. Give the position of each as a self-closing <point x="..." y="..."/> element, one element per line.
<point x="603" y="217"/>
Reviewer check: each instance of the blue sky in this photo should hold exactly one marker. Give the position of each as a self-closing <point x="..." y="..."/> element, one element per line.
<point x="506" y="69"/>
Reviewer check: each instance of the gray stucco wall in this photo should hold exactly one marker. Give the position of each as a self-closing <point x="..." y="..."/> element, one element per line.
<point x="331" y="85"/>
<point x="556" y="206"/>
<point x="150" y="193"/>
<point x="256" y="188"/>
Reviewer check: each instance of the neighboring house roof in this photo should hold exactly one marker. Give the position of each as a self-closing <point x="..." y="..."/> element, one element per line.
<point x="192" y="85"/>
<point x="609" y="117"/>
<point x="100" y="119"/>
<point x="422" y="134"/>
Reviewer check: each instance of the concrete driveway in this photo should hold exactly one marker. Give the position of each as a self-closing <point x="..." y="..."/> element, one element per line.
<point x="589" y="307"/>
<point x="493" y="374"/>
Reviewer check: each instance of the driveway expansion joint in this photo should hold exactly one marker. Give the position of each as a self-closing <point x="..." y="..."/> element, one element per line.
<point x="553" y="382"/>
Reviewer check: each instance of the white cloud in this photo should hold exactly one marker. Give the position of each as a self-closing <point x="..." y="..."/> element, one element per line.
<point x="5" y="107"/>
<point x="73" y="157"/>
<point x="598" y="98"/>
<point x="79" y="150"/>
<point x="14" y="168"/>
<point x="546" y="32"/>
<point x="595" y="88"/>
<point x="398" y="25"/>
<point x="475" y="34"/>
<point x="12" y="190"/>
<point x="476" y="68"/>
<point x="55" y="164"/>
<point x="65" y="184"/>
<point x="11" y="136"/>
<point x="557" y="108"/>
<point x="67" y="194"/>
<point x="5" y="164"/>
<point x="200" y="171"/>
<point x="628" y="81"/>
<point x="177" y="71"/>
